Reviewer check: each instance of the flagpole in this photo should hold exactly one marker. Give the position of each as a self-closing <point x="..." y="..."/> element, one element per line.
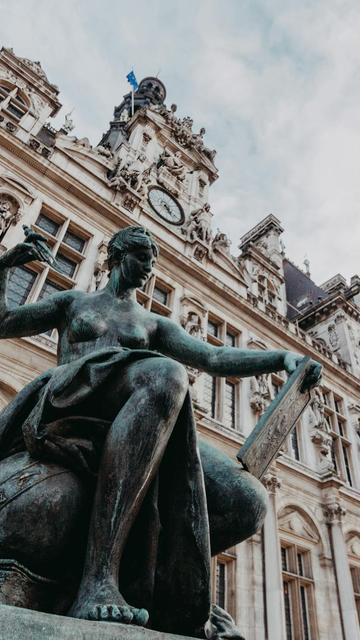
<point x="132" y="102"/>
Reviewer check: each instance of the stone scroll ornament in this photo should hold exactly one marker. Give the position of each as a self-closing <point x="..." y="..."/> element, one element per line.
<point x="263" y="444"/>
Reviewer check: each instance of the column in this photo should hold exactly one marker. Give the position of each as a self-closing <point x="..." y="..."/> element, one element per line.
<point x="334" y="513"/>
<point x="274" y="602"/>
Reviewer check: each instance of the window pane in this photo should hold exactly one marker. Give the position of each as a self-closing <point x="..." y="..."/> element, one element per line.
<point x="213" y="329"/>
<point x="49" y="288"/>
<point x="295" y="443"/>
<point x="74" y="241"/>
<point x="18" y="113"/>
<point x="347" y="464"/>
<point x="160" y="295"/>
<point x="300" y="564"/>
<point x="65" y="265"/>
<point x="229" y="404"/>
<point x="304" y="613"/>
<point x="287" y="606"/>
<point x="284" y="563"/>
<point x="230" y="339"/>
<point x="220" y="584"/>
<point x="48" y="224"/>
<point x="209" y="394"/>
<point x="20" y="283"/>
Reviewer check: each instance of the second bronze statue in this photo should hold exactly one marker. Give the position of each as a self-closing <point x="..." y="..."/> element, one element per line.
<point x="122" y="508"/>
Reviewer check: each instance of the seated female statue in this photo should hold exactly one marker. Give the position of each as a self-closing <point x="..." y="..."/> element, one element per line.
<point x="103" y="448"/>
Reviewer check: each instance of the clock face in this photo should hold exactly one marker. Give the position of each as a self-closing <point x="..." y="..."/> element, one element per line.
<point x="166" y="206"/>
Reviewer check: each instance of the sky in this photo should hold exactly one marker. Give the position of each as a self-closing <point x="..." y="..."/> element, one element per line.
<point x="276" y="84"/>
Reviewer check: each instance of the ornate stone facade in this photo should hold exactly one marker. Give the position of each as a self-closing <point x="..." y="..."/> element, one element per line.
<point x="78" y="196"/>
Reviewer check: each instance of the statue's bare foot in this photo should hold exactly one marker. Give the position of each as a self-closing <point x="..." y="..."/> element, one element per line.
<point x="104" y="602"/>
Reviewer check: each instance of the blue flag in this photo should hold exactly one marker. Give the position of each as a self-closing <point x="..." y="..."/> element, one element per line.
<point x="132" y="80"/>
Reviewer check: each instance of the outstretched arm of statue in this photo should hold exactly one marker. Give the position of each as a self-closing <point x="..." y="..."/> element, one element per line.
<point x="29" y="319"/>
<point x="173" y="341"/>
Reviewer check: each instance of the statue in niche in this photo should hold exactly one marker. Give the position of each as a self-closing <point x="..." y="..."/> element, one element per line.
<point x="260" y="393"/>
<point x="198" y="225"/>
<point x="193" y="325"/>
<point x="99" y="454"/>
<point x="9" y="214"/>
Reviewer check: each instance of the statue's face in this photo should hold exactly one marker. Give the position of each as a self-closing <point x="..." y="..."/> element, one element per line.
<point x="137" y="266"/>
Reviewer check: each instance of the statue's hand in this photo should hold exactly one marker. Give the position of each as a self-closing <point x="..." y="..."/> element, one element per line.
<point x="292" y="361"/>
<point x="22" y="253"/>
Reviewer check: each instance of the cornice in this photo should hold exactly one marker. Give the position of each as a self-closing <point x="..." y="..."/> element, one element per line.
<point x="326" y="307"/>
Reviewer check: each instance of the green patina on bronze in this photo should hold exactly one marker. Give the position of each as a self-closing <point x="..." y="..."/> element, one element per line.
<point x="118" y="502"/>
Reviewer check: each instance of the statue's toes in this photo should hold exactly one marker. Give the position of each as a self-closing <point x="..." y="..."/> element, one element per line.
<point x="141" y="617"/>
<point x="126" y="614"/>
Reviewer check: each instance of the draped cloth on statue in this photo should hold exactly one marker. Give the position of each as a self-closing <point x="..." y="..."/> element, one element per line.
<point x="166" y="563"/>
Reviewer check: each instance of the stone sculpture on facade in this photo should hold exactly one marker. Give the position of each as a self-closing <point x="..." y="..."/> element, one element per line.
<point x="173" y="164"/>
<point x="221" y="243"/>
<point x="198" y="225"/>
<point x="130" y="175"/>
<point x="320" y="433"/>
<point x="9" y="214"/>
<point x="104" y="449"/>
<point x="260" y="393"/>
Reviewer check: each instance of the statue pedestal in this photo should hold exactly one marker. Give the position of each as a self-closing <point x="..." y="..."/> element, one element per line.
<point x="24" y="624"/>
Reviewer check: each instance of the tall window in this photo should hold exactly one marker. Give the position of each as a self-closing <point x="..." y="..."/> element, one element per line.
<point x="294" y="448"/>
<point x="355" y="575"/>
<point x="38" y="280"/>
<point x="223" y="580"/>
<point x="298" y="593"/>
<point x="341" y="453"/>
<point x="157" y="296"/>
<point x="12" y="101"/>
<point x="221" y="396"/>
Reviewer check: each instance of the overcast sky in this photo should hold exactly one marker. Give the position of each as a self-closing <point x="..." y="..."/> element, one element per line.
<point x="276" y="83"/>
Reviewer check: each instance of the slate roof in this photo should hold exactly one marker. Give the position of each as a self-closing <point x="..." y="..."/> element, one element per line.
<point x="301" y="292"/>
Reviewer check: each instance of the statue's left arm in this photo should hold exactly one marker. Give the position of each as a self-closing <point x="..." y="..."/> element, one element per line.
<point x="173" y="341"/>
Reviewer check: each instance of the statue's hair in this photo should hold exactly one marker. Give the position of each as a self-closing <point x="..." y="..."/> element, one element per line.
<point x="129" y="239"/>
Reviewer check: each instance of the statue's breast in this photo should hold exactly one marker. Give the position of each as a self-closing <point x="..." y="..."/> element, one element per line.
<point x="87" y="326"/>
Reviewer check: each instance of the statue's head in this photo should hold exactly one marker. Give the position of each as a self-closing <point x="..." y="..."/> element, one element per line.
<point x="133" y="252"/>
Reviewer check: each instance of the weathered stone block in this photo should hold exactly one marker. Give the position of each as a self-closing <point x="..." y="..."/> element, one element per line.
<point x="24" y="624"/>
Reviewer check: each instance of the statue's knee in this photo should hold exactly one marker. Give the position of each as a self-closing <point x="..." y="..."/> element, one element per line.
<point x="256" y="504"/>
<point x="172" y="380"/>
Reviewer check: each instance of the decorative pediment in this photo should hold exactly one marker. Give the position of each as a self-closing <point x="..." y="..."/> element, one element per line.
<point x="17" y="187"/>
<point x="295" y="522"/>
<point x="353" y="544"/>
<point x="81" y="152"/>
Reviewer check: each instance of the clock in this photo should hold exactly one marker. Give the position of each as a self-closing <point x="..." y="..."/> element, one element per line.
<point x="165" y="205"/>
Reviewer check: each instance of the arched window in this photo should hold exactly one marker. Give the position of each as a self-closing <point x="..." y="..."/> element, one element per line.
<point x="13" y="101"/>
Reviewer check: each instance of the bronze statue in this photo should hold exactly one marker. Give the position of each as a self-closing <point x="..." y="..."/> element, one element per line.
<point x="102" y="448"/>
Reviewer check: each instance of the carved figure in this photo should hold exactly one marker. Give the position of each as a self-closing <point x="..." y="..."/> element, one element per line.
<point x="192" y="324"/>
<point x="104" y="150"/>
<point x="68" y="125"/>
<point x="260" y="393"/>
<point x="173" y="163"/>
<point x="221" y="243"/>
<point x="6" y="217"/>
<point x="110" y="431"/>
<point x="198" y="225"/>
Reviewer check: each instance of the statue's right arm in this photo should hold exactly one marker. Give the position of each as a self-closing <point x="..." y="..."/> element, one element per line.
<point x="29" y="319"/>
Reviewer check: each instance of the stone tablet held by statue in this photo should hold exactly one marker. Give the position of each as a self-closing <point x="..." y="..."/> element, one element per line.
<point x="263" y="444"/>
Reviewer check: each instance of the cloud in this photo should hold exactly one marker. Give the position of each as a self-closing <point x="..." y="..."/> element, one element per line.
<point x="276" y="84"/>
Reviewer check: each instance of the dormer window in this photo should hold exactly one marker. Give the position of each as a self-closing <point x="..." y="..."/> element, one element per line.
<point x="12" y="101"/>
